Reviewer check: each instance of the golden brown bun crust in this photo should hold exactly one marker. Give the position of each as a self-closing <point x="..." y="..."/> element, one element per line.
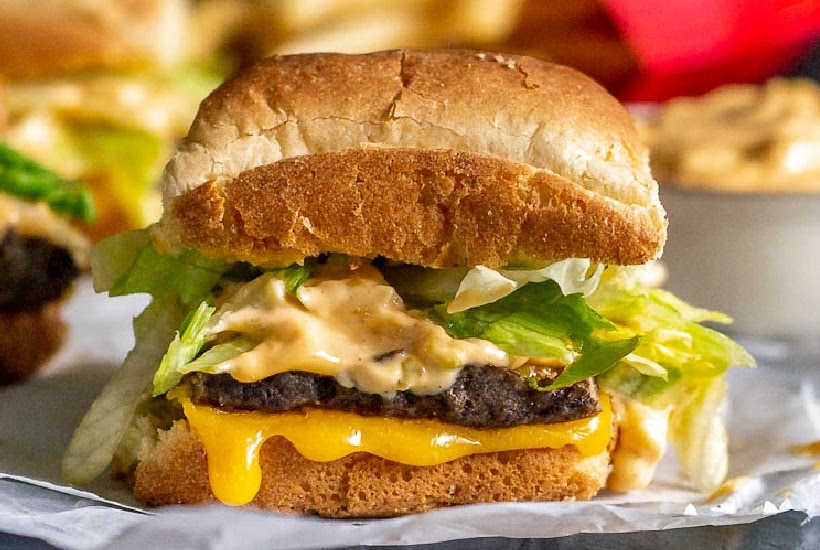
<point x="28" y="339"/>
<point x="433" y="208"/>
<point x="362" y="485"/>
<point x="466" y="107"/>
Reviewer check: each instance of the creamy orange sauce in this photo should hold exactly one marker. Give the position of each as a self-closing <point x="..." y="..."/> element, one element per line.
<point x="642" y="441"/>
<point x="742" y="137"/>
<point x="355" y="329"/>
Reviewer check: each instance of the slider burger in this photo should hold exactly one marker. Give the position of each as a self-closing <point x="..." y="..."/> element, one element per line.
<point x="391" y="282"/>
<point x="41" y="255"/>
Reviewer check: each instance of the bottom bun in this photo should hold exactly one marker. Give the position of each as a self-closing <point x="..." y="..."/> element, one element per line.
<point x="28" y="339"/>
<point x="175" y="471"/>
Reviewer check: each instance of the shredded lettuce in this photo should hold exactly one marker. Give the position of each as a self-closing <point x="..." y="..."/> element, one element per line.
<point x="128" y="263"/>
<point x="679" y="363"/>
<point x="538" y="320"/>
<point x="96" y="438"/>
<point x="482" y="285"/>
<point x="641" y="343"/>
<point x="185" y="353"/>
<point x="572" y="275"/>
<point x="31" y="181"/>
<point x="186" y="345"/>
<point x="216" y="356"/>
<point x="295" y="275"/>
<point x="698" y="434"/>
<point x="114" y="256"/>
<point x="188" y="275"/>
<point x="674" y="348"/>
<point x="165" y="335"/>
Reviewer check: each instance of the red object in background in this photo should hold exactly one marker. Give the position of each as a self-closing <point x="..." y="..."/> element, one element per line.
<point x="691" y="46"/>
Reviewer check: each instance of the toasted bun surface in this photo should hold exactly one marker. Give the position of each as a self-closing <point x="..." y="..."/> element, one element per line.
<point x="523" y="149"/>
<point x="175" y="471"/>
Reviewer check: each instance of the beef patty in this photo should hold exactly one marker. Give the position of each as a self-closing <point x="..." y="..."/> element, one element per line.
<point x="483" y="396"/>
<point x="33" y="272"/>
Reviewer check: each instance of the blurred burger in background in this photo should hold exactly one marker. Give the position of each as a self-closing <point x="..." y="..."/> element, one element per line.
<point x="41" y="255"/>
<point x="100" y="92"/>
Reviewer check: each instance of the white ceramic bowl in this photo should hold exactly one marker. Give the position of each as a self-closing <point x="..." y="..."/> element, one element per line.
<point x="755" y="256"/>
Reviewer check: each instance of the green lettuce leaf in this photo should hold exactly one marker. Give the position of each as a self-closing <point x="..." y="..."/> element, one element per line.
<point x="679" y="364"/>
<point x="113" y="257"/>
<point x="185" y="353"/>
<point x="128" y="263"/>
<point x="295" y="275"/>
<point x="31" y="181"/>
<point x="217" y="355"/>
<point x="188" y="275"/>
<point x="538" y="320"/>
<point x="101" y="429"/>
<point x="698" y="433"/>
<point x="683" y="351"/>
<point x="187" y="343"/>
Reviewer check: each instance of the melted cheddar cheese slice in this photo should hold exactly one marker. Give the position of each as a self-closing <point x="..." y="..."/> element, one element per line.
<point x="232" y="440"/>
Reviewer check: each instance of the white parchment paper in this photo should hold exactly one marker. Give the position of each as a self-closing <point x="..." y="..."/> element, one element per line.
<point x="770" y="409"/>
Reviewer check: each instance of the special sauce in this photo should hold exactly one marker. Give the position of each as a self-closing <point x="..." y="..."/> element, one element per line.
<point x="741" y="138"/>
<point x="355" y="329"/>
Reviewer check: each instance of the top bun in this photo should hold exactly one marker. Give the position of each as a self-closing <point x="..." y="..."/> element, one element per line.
<point x="435" y="158"/>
